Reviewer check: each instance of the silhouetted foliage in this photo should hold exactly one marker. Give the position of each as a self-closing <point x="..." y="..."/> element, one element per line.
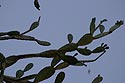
<point x="98" y="79"/>
<point x="60" y="59"/>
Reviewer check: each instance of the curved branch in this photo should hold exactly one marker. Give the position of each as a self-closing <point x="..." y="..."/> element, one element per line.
<point x="87" y="61"/>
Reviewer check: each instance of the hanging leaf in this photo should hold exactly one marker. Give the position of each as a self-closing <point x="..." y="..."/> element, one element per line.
<point x="33" y="26"/>
<point x="19" y="73"/>
<point x="98" y="79"/>
<point x="44" y="74"/>
<point x="36" y="4"/>
<point x="85" y="39"/>
<point x="117" y="25"/>
<point x="55" y="61"/>
<point x="28" y="67"/>
<point x="92" y="26"/>
<point x="70" y="38"/>
<point x="101" y="35"/>
<point x="60" y="77"/>
<point x="62" y="65"/>
<point x="43" y="43"/>
<point x="84" y="51"/>
<point x="101" y="28"/>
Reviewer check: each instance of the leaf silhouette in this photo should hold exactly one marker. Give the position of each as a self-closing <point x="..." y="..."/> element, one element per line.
<point x="28" y="67"/>
<point x="19" y="73"/>
<point x="62" y="65"/>
<point x="70" y="38"/>
<point x="92" y="26"/>
<point x="85" y="39"/>
<point x="11" y="60"/>
<point x="101" y="28"/>
<point x="101" y="48"/>
<point x="98" y="79"/>
<point x="55" y="61"/>
<point x="33" y="26"/>
<point x="69" y="59"/>
<point x="101" y="35"/>
<point x="45" y="73"/>
<point x="117" y="25"/>
<point x="60" y="77"/>
<point x="98" y="50"/>
<point x="36" y="4"/>
<point x="13" y="33"/>
<point x="84" y="51"/>
<point x="43" y="43"/>
<point x="68" y="47"/>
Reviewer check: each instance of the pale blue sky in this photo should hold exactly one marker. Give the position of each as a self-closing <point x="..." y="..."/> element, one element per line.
<point x="60" y="17"/>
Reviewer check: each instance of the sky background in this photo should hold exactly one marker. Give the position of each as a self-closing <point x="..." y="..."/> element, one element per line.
<point x="58" y="18"/>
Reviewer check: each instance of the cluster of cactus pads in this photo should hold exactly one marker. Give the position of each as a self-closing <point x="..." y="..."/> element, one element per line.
<point x="60" y="58"/>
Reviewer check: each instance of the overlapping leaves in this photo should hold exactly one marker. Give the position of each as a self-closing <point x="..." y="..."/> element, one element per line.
<point x="59" y="54"/>
<point x="102" y="28"/>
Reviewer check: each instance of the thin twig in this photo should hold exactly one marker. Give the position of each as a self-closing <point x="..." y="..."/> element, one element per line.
<point x="86" y="61"/>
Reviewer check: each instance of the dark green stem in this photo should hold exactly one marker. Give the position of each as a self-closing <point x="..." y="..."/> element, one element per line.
<point x="86" y="61"/>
